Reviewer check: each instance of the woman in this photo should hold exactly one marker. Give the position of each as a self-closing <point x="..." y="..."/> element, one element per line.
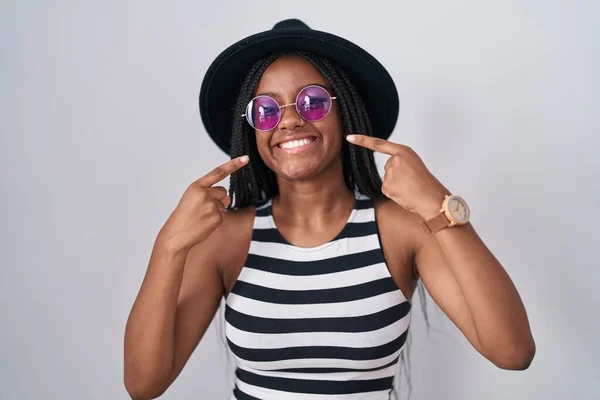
<point x="316" y="255"/>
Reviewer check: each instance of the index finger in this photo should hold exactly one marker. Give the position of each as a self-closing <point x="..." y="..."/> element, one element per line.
<point x="223" y="171"/>
<point x="375" y="144"/>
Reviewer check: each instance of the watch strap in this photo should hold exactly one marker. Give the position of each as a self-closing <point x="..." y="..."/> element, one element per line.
<point x="435" y="224"/>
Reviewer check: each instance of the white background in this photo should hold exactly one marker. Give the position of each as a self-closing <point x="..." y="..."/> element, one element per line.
<point x="100" y="135"/>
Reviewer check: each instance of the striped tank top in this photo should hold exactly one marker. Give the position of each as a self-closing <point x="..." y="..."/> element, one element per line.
<point x="326" y="322"/>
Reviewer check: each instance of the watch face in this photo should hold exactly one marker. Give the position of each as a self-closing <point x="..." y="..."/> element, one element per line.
<point x="458" y="209"/>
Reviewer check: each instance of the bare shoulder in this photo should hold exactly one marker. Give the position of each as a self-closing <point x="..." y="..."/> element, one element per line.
<point x="228" y="246"/>
<point x="394" y="220"/>
<point x="400" y="234"/>
<point x="232" y="218"/>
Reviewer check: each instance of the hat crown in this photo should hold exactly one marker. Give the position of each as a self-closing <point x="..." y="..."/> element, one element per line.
<point x="292" y="23"/>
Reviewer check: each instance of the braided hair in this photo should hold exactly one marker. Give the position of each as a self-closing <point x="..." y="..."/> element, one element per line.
<point x="255" y="184"/>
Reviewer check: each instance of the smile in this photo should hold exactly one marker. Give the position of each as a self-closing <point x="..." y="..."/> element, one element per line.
<point x="294" y="146"/>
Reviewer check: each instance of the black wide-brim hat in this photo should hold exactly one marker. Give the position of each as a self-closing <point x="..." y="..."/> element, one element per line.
<point x="222" y="82"/>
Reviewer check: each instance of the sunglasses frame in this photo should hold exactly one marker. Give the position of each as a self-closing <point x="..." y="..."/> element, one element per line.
<point x="281" y="107"/>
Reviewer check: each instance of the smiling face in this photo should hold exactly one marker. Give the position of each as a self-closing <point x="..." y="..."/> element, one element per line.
<point x="296" y="148"/>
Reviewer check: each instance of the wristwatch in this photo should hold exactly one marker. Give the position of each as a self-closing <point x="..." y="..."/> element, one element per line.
<point x="454" y="212"/>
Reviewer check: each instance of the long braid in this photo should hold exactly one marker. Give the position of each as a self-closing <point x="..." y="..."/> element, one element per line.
<point x="253" y="185"/>
<point x="350" y="118"/>
<point x="347" y="110"/>
<point x="359" y="162"/>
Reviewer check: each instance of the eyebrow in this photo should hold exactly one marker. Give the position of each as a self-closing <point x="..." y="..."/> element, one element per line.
<point x="275" y="94"/>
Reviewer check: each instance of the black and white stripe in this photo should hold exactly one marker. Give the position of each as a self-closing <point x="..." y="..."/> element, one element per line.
<point x="326" y="322"/>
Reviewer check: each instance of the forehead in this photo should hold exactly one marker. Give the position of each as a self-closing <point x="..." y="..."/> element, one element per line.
<point x="289" y="74"/>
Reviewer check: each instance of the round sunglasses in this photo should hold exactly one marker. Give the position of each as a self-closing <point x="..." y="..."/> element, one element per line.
<point x="313" y="103"/>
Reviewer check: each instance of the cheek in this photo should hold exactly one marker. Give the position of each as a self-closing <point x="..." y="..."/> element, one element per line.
<point x="264" y="148"/>
<point x="336" y="117"/>
<point x="332" y="130"/>
<point x="260" y="141"/>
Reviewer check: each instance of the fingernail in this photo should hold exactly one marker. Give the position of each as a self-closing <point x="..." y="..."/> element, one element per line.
<point x="244" y="159"/>
<point x="350" y="138"/>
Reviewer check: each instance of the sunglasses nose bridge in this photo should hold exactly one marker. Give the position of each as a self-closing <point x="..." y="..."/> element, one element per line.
<point x="283" y="107"/>
<point x="286" y="105"/>
<point x="292" y="119"/>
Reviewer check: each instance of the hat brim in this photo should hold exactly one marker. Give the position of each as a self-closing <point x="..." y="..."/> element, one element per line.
<point x="222" y="82"/>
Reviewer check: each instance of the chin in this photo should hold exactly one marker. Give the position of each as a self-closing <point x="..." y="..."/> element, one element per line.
<point x="301" y="163"/>
<point x="299" y="169"/>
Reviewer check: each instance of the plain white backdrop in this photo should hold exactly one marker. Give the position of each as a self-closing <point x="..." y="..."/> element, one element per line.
<point x="100" y="136"/>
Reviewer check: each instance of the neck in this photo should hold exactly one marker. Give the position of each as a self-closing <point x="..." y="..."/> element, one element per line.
<point x="311" y="200"/>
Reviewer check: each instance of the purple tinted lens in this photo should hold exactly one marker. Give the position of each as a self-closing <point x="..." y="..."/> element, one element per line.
<point x="263" y="113"/>
<point x="313" y="103"/>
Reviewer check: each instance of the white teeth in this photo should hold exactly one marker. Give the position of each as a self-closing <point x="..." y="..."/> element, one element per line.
<point x="292" y="144"/>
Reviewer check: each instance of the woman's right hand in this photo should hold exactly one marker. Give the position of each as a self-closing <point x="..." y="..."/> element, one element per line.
<point x="200" y="210"/>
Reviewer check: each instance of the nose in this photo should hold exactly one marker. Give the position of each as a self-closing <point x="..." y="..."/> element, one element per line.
<point x="290" y="119"/>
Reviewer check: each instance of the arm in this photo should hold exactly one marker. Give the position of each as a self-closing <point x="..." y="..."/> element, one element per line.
<point x="473" y="289"/>
<point x="458" y="270"/>
<point x="178" y="299"/>
<point x="182" y="287"/>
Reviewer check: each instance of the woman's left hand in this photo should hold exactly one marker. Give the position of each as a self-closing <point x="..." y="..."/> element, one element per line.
<point x="406" y="181"/>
